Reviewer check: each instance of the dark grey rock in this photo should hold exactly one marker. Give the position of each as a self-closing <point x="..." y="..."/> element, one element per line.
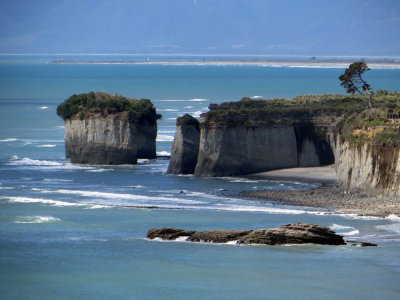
<point x="285" y="234"/>
<point x="185" y="147"/>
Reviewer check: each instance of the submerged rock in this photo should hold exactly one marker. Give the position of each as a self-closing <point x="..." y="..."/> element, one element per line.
<point x="285" y="234"/>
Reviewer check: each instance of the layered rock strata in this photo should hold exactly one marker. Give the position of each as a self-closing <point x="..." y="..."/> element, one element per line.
<point x="285" y="234"/>
<point x="109" y="140"/>
<point x="185" y="147"/>
<point x="369" y="168"/>
<point x="226" y="150"/>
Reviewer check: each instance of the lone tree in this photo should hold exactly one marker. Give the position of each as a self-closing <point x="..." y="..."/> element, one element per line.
<point x="353" y="82"/>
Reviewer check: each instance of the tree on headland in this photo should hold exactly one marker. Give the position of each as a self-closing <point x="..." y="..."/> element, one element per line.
<point x="354" y="83"/>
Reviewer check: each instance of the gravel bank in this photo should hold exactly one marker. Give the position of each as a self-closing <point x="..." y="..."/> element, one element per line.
<point x="332" y="198"/>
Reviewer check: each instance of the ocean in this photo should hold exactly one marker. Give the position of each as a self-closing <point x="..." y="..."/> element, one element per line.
<point x="74" y="231"/>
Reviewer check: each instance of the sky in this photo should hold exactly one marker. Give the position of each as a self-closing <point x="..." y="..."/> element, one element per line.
<point x="212" y="27"/>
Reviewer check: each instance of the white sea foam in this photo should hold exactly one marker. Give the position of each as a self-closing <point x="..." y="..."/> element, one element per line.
<point x="59" y="127"/>
<point x="164" y="153"/>
<point x="36" y="219"/>
<point x="244" y="180"/>
<point x="168" y="109"/>
<point x="197" y="114"/>
<point x="164" y="138"/>
<point x="7" y="187"/>
<point x="171" y="119"/>
<point x="43" y="107"/>
<point x="52" y="202"/>
<point x="232" y="242"/>
<point x="14" y="157"/>
<point x="256" y="97"/>
<point x="98" y="170"/>
<point x="393" y="217"/>
<point x="198" y="100"/>
<point x="272" y="210"/>
<point x="181" y="238"/>
<point x="34" y="162"/>
<point x="119" y="196"/>
<point x="45" y="164"/>
<point x="40" y="200"/>
<point x="9" y="140"/>
<point x="57" y="180"/>
<point x="344" y="230"/>
<point x="46" y="146"/>
<point x="188" y="107"/>
<point x="166" y="131"/>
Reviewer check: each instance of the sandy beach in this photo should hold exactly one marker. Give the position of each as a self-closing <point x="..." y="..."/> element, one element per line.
<point x="327" y="196"/>
<point x="330" y="63"/>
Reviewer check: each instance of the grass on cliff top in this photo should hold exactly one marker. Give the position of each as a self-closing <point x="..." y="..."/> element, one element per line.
<point x="379" y="125"/>
<point x="82" y="105"/>
<point x="300" y="107"/>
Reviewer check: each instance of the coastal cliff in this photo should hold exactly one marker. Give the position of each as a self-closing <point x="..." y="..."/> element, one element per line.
<point x="258" y="135"/>
<point x="108" y="129"/>
<point x="369" y="168"/>
<point x="252" y="136"/>
<point x="229" y="151"/>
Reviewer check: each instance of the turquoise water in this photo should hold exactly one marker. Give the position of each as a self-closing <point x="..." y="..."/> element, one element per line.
<point x="73" y="232"/>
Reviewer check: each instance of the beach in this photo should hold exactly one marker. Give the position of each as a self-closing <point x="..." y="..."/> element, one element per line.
<point x="327" y="196"/>
<point x="289" y="63"/>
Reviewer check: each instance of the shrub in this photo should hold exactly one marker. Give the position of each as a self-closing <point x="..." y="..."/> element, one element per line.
<point x="83" y="105"/>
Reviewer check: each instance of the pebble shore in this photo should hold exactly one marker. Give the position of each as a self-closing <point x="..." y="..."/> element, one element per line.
<point x="334" y="199"/>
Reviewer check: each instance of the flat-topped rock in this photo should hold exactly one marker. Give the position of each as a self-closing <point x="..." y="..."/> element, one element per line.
<point x="285" y="234"/>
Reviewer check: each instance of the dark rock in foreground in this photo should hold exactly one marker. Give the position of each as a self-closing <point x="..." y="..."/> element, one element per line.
<point x="284" y="234"/>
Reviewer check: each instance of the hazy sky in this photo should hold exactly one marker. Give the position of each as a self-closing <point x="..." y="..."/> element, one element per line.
<point x="303" y="27"/>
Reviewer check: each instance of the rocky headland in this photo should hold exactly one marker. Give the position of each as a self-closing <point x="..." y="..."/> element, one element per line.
<point x="249" y="136"/>
<point x="108" y="129"/>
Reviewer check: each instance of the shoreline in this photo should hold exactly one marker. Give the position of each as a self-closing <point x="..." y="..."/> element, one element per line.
<point x="378" y="64"/>
<point x="327" y="196"/>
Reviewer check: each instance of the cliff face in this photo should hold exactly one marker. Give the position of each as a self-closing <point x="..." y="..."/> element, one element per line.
<point x="109" y="140"/>
<point x="369" y="168"/>
<point x="226" y="151"/>
<point x="146" y="134"/>
<point x="185" y="149"/>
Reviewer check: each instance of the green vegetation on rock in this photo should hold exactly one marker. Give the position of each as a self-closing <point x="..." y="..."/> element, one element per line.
<point x="248" y="111"/>
<point x="83" y="105"/>
<point x="359" y="124"/>
<point x="187" y="120"/>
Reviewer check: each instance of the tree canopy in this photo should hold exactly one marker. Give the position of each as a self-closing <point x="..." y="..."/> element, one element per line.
<point x="353" y="81"/>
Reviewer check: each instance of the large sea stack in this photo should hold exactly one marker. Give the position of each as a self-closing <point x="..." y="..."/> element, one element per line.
<point x="108" y="129"/>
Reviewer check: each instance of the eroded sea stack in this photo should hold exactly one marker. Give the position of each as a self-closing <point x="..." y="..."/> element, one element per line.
<point x="108" y="129"/>
<point x="185" y="147"/>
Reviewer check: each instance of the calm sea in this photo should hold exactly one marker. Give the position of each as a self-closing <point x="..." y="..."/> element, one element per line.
<point x="68" y="231"/>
